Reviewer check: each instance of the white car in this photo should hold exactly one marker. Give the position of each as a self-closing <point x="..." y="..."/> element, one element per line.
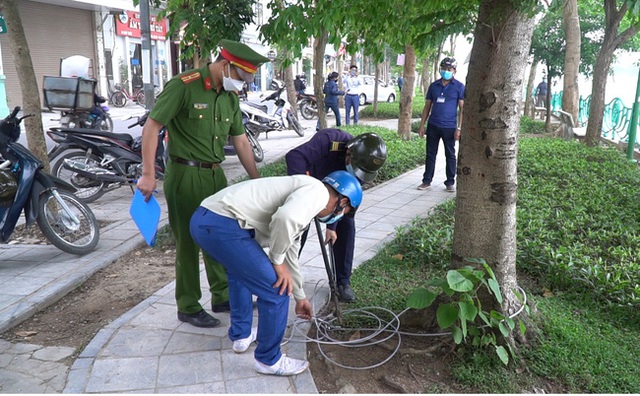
<point x="386" y="93"/>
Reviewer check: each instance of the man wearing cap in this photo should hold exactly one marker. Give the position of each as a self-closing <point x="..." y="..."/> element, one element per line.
<point x="200" y="109"/>
<point x="332" y="150"/>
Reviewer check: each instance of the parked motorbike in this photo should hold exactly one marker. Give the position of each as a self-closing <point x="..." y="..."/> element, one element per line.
<point x="258" y="153"/>
<point x="67" y="222"/>
<point x="96" y="118"/>
<point x="96" y="162"/>
<point x="307" y="105"/>
<point x="274" y="115"/>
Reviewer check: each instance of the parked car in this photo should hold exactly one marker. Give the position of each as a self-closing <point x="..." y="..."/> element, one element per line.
<point x="386" y="93"/>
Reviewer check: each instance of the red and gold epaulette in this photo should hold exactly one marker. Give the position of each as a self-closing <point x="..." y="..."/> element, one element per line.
<point x="191" y="77"/>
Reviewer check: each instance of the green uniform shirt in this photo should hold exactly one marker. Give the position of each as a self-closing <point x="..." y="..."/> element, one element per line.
<point x="197" y="118"/>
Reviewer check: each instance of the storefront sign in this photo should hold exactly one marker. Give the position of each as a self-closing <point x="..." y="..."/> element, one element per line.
<point x="128" y="24"/>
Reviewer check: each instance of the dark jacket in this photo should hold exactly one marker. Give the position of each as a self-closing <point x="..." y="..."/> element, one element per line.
<point x="331" y="91"/>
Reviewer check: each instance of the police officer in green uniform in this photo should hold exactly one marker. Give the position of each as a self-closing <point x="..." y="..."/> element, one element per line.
<point x="200" y="109"/>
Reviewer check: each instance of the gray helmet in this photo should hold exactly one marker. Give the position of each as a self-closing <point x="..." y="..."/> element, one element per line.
<point x="449" y="62"/>
<point x="368" y="152"/>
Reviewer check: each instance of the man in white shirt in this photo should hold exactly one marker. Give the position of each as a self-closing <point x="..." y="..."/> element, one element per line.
<point x="234" y="224"/>
<point x="352" y="85"/>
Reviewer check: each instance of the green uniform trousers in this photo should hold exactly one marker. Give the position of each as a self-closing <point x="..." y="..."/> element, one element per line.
<point x="185" y="188"/>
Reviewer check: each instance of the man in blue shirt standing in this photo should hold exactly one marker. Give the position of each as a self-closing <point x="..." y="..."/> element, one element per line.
<point x="443" y="107"/>
<point x="352" y="83"/>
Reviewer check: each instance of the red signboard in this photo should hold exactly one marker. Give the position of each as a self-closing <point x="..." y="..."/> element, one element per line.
<point x="128" y="24"/>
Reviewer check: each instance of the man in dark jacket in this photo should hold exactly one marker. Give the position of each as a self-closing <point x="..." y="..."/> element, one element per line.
<point x="332" y="150"/>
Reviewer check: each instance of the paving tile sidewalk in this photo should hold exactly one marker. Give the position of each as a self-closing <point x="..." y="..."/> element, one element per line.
<point x="147" y="349"/>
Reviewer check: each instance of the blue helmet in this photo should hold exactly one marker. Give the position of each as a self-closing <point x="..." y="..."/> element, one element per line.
<point x="346" y="185"/>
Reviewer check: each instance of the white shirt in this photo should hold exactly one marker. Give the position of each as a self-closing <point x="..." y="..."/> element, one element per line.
<point x="278" y="209"/>
<point x="352" y="85"/>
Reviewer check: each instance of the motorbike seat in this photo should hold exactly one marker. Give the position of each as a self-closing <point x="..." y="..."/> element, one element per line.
<point x="122" y="137"/>
<point x="258" y="106"/>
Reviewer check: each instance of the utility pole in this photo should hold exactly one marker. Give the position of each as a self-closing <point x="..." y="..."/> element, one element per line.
<point x="147" y="60"/>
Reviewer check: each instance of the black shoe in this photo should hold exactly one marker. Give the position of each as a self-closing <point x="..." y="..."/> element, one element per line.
<point x="346" y="294"/>
<point x="223" y="307"/>
<point x="199" y="319"/>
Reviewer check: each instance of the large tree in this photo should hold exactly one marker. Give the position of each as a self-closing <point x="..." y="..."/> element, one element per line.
<point x="614" y="37"/>
<point x="571" y="24"/>
<point x="485" y="217"/>
<point x="28" y="84"/>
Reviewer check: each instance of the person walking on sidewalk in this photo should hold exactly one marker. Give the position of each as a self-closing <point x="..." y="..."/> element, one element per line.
<point x="200" y="109"/>
<point x="234" y="224"/>
<point x="332" y="150"/>
<point x="443" y="107"/>
<point x="331" y="93"/>
<point x="352" y="83"/>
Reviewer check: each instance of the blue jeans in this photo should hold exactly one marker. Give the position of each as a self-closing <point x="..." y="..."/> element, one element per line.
<point x="249" y="271"/>
<point x="349" y="102"/>
<point x="434" y="134"/>
<point x="336" y="111"/>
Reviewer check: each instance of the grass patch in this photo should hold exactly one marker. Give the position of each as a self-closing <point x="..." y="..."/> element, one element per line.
<point x="402" y="156"/>
<point x="391" y="110"/>
<point x="578" y="238"/>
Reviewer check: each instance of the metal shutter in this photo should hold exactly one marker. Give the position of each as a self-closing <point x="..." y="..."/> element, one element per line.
<point x="53" y="32"/>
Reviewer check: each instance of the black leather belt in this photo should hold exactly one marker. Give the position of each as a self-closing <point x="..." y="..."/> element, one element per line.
<point x="195" y="164"/>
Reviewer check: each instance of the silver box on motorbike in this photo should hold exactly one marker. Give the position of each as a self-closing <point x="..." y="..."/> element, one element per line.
<point x="68" y="93"/>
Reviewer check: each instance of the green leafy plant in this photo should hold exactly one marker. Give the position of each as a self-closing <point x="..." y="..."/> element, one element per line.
<point x="462" y="308"/>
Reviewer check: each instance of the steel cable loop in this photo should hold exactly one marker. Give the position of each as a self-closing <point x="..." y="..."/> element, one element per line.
<point x="326" y="324"/>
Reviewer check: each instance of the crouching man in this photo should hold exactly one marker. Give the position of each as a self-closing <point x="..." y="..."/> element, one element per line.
<point x="234" y="224"/>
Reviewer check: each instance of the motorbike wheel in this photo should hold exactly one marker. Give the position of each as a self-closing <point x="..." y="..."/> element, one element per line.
<point x="140" y="98"/>
<point x="60" y="229"/>
<point x="88" y="190"/>
<point x="106" y="124"/>
<point x="118" y="99"/>
<point x="308" y="110"/>
<point x="258" y="153"/>
<point x="295" y="124"/>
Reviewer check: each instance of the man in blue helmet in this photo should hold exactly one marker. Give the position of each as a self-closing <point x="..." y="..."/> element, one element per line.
<point x="327" y="151"/>
<point x="234" y="224"/>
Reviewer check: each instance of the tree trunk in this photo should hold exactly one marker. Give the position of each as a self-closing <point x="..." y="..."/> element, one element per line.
<point x="529" y="102"/>
<point x="547" y="101"/>
<point x="426" y="78"/>
<point x="570" y="91"/>
<point x="485" y="218"/>
<point x="288" y="82"/>
<point x="27" y="76"/>
<point x="612" y="40"/>
<point x="318" y="79"/>
<point x="375" y="90"/>
<point x="406" y="96"/>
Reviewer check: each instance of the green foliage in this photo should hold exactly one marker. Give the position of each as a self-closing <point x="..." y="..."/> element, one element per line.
<point x="206" y="23"/>
<point x="462" y="312"/>
<point x="578" y="227"/>
<point x="530" y="126"/>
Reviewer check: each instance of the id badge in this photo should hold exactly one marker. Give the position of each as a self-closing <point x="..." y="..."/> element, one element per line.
<point x="440" y="99"/>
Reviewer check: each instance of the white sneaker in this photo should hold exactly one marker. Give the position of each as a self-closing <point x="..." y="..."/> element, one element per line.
<point x="241" y="345"/>
<point x="284" y="366"/>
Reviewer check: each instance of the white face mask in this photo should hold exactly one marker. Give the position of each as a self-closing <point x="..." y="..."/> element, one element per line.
<point x="230" y="84"/>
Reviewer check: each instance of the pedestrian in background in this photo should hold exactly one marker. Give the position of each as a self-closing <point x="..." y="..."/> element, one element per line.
<point x="331" y="93"/>
<point x="200" y="109"/>
<point x="541" y="93"/>
<point x="443" y="108"/>
<point x="400" y="82"/>
<point x="352" y="85"/>
<point x="234" y="225"/>
<point x="332" y="150"/>
<point x="299" y="84"/>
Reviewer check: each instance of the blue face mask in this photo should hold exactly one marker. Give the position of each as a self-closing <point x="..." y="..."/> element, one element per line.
<point x="330" y="219"/>
<point x="446" y="74"/>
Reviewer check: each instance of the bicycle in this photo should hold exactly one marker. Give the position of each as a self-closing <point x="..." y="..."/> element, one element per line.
<point x="120" y="96"/>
